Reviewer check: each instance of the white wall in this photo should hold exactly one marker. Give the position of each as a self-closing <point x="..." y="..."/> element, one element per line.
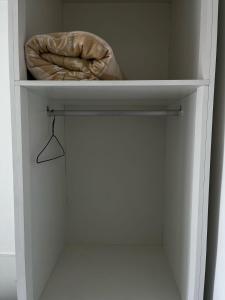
<point x="6" y="181"/>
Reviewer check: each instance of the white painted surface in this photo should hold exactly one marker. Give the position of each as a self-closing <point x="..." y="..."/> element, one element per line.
<point x="26" y="19"/>
<point x="219" y="288"/>
<point x="47" y="195"/>
<point x="42" y="16"/>
<point x="185" y="228"/>
<point x="197" y="230"/>
<point x="7" y="234"/>
<point x="119" y="1"/>
<point x="115" y="90"/>
<point x="115" y="180"/>
<point x="112" y="272"/>
<point x="139" y="36"/>
<point x="177" y="210"/>
<point x="59" y="91"/>
<point x="7" y="277"/>
<point x="184" y="51"/>
<point x="214" y="287"/>
<point x="6" y="171"/>
<point x="151" y="39"/>
<point x="21" y="155"/>
<point x="116" y="197"/>
<point x="117" y="83"/>
<point x="115" y="188"/>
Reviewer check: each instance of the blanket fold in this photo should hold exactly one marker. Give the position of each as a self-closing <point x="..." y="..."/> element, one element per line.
<point x="73" y="55"/>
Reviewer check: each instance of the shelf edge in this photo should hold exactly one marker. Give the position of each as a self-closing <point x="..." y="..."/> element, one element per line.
<point x="132" y="83"/>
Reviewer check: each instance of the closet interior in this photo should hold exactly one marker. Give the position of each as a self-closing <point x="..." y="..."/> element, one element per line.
<point x="152" y="40"/>
<point x="123" y="215"/>
<point x="113" y="219"/>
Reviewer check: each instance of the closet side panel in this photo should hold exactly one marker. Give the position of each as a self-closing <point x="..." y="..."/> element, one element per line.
<point x="208" y="39"/>
<point x="21" y="180"/>
<point x="47" y="195"/>
<point x="115" y="172"/>
<point x="178" y="192"/>
<point x="26" y="18"/>
<point x="190" y="39"/>
<point x="139" y="33"/>
<point x="185" y="241"/>
<point x="17" y="37"/>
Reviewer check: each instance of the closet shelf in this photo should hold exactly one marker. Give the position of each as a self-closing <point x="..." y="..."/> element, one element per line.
<point x="114" y="90"/>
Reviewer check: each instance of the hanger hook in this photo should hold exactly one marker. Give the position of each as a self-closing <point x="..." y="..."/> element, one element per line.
<point x="53" y="126"/>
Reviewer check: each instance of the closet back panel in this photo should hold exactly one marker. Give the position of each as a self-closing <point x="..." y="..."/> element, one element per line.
<point x="139" y="33"/>
<point x="43" y="16"/>
<point x="115" y="177"/>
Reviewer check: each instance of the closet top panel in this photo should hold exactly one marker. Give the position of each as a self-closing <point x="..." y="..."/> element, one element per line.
<point x="117" y="1"/>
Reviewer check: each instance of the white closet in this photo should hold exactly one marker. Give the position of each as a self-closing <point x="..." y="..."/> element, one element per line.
<point x="124" y="215"/>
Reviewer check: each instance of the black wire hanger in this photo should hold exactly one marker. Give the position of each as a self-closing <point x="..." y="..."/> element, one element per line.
<point x="53" y="136"/>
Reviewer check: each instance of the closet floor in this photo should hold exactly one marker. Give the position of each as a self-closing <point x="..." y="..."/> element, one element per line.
<point x="112" y="272"/>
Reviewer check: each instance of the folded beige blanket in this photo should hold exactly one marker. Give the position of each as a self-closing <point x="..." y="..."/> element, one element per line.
<point x="71" y="56"/>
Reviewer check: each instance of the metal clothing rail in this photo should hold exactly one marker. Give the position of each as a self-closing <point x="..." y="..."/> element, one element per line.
<point x="114" y="113"/>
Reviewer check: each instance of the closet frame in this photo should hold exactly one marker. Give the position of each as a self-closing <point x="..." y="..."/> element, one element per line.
<point x="203" y="87"/>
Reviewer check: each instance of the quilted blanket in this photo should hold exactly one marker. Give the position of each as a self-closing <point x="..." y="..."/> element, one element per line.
<point x="71" y="56"/>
